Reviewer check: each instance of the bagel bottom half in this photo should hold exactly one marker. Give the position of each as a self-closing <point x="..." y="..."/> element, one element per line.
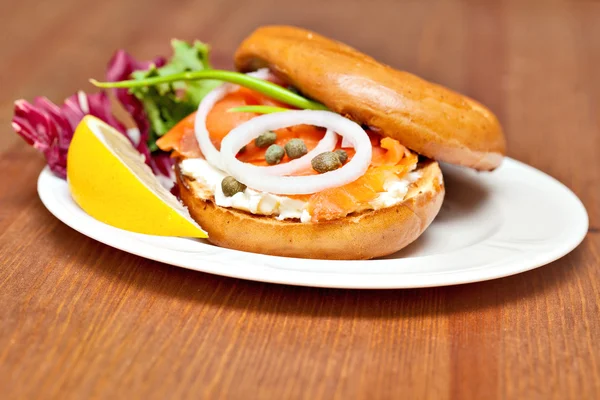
<point x="363" y="235"/>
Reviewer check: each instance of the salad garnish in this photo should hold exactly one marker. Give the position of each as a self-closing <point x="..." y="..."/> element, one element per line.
<point x="168" y="103"/>
<point x="155" y="110"/>
<point x="49" y="128"/>
<point x="267" y="88"/>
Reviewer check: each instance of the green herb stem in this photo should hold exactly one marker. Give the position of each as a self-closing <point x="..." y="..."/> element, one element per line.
<point x="258" y="109"/>
<point x="265" y="87"/>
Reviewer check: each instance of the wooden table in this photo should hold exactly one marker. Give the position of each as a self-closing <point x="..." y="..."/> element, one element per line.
<point x="81" y="320"/>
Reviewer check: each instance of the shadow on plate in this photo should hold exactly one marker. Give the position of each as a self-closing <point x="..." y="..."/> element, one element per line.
<point x="466" y="194"/>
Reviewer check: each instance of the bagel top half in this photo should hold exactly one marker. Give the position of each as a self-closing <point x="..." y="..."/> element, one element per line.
<point x="427" y="118"/>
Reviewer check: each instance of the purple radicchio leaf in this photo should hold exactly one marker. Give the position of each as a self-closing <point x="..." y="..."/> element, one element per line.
<point x="50" y="128"/>
<point x="162" y="163"/>
<point x="42" y="125"/>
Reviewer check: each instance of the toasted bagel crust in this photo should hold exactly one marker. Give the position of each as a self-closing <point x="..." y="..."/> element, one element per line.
<point x="365" y="235"/>
<point x="425" y="117"/>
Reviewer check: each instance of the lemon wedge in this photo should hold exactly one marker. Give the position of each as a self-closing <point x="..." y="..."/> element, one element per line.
<point x="109" y="180"/>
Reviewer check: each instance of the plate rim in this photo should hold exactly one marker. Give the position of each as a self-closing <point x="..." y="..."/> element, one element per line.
<point x="313" y="278"/>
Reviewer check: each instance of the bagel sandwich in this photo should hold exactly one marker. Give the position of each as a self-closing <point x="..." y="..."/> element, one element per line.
<point x="355" y="178"/>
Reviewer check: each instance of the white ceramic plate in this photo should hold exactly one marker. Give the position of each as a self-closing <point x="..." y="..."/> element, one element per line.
<point x="491" y="225"/>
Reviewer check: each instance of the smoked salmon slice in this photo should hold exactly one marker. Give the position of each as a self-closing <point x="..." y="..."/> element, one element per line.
<point x="391" y="160"/>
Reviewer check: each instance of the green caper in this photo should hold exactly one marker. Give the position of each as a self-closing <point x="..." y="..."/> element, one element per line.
<point x="295" y="148"/>
<point x="274" y="154"/>
<point x="266" y="139"/>
<point x="326" y="162"/>
<point x="231" y="186"/>
<point x="342" y="155"/>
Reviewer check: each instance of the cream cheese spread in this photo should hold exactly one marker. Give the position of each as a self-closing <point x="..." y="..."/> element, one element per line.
<point x="281" y="207"/>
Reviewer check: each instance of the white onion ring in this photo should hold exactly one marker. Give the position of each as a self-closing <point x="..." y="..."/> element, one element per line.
<point x="213" y="156"/>
<point x="345" y="143"/>
<point x="210" y="152"/>
<point x="255" y="178"/>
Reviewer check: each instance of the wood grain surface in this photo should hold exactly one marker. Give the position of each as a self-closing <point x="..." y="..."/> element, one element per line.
<point x="80" y="320"/>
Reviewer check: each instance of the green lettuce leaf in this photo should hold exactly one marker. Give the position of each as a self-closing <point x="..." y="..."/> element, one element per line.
<point x="168" y="103"/>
